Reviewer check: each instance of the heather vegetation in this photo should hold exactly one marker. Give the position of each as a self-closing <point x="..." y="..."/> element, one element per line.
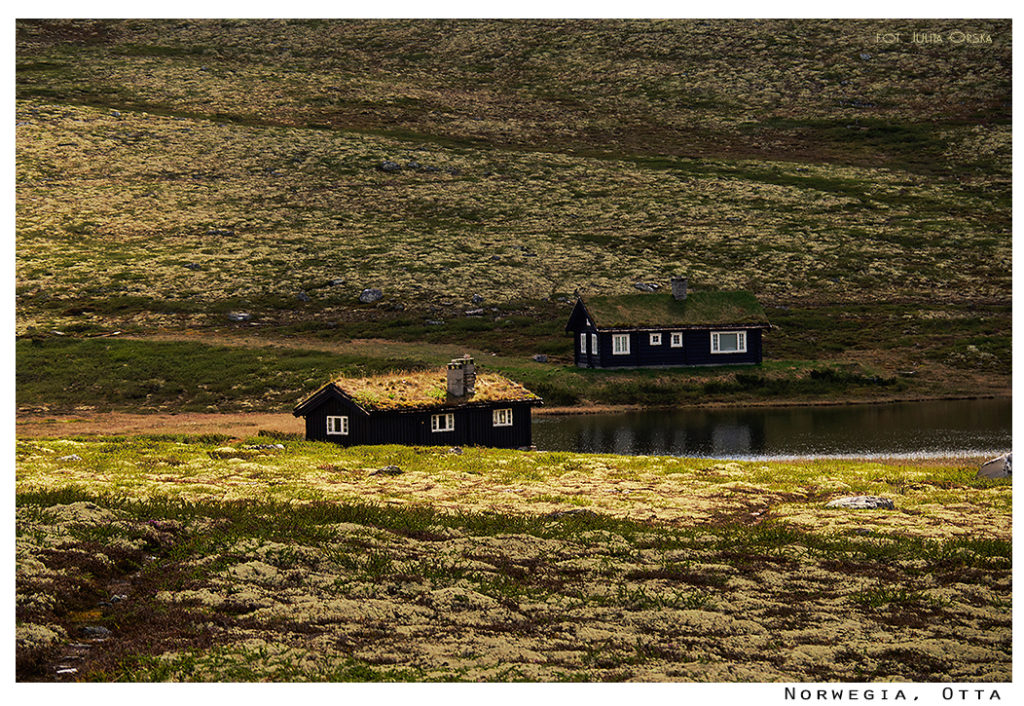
<point x="231" y="560"/>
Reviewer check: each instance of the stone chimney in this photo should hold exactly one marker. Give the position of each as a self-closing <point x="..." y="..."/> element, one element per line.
<point x="469" y="374"/>
<point x="461" y="377"/>
<point x="456" y="381"/>
<point x="679" y="288"/>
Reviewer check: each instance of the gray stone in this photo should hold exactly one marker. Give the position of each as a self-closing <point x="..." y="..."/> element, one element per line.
<point x="95" y="631"/>
<point x="540" y="358"/>
<point x="863" y="502"/>
<point x="193" y="266"/>
<point x="477" y="299"/>
<point x="434" y="322"/>
<point x="303" y="297"/>
<point x="72" y="457"/>
<point x="645" y="286"/>
<point x="337" y="280"/>
<point x="474" y="312"/>
<point x="239" y="316"/>
<point x="865" y="56"/>
<point x="220" y="231"/>
<point x="1001" y="467"/>
<point x="369" y="296"/>
<point x="570" y="513"/>
<point x="388" y="166"/>
<point x="457" y="450"/>
<point x="387" y="471"/>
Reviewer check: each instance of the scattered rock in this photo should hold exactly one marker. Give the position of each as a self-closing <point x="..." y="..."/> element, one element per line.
<point x="115" y="114"/>
<point x="865" y="56"/>
<point x="387" y="471"/>
<point x="540" y="358"/>
<point x="369" y="296"/>
<point x="1001" y="467"/>
<point x="265" y="447"/>
<point x="434" y="322"/>
<point x="66" y="670"/>
<point x="580" y="512"/>
<point x="303" y="297"/>
<point x="337" y="280"/>
<point x="239" y="316"/>
<point x="117" y="598"/>
<point x="72" y="457"/>
<point x="477" y="299"/>
<point x="474" y="312"/>
<point x="193" y="266"/>
<point x="457" y="450"/>
<point x="413" y="164"/>
<point x="388" y="166"/>
<point x="646" y="286"/>
<point x="95" y="631"/>
<point x="563" y="299"/>
<point x="863" y="502"/>
<point x="220" y="231"/>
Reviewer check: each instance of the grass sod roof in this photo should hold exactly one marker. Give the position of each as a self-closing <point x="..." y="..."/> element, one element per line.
<point x="662" y="310"/>
<point x="426" y="389"/>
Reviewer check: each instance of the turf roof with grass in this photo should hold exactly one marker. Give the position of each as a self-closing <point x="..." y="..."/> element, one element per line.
<point x="663" y="310"/>
<point x="420" y="390"/>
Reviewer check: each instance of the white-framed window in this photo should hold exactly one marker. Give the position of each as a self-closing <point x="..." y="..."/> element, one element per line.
<point x="676" y="339"/>
<point x="583" y="343"/>
<point x="502" y="417"/>
<point x="442" y="422"/>
<point x="620" y="344"/>
<point x="337" y="425"/>
<point x="655" y="339"/>
<point x="728" y="341"/>
<point x="593" y="343"/>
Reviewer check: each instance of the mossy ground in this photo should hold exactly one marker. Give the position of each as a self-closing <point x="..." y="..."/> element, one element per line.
<point x="302" y="564"/>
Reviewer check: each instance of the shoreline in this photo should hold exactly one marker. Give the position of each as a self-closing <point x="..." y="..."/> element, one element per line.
<point x="761" y="404"/>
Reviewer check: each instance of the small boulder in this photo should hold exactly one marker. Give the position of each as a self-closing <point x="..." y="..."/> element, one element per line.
<point x="303" y="297"/>
<point x="239" y="316"/>
<point x="645" y="286"/>
<point x="863" y="502"/>
<point x="457" y="450"/>
<point x="95" y="631"/>
<point x="369" y="296"/>
<point x="337" y="280"/>
<point x="1001" y="467"/>
<point x="72" y="457"/>
<point x="387" y="471"/>
<point x="388" y="166"/>
<point x="473" y="312"/>
<point x="477" y="299"/>
<point x="540" y="358"/>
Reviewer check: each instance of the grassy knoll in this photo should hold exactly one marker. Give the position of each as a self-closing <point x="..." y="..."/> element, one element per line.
<point x="303" y="563"/>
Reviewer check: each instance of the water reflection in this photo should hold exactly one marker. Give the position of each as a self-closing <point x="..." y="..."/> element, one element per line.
<point x="956" y="427"/>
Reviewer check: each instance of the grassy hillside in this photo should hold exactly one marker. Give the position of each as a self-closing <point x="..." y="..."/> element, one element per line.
<point x="169" y="172"/>
<point x="213" y="562"/>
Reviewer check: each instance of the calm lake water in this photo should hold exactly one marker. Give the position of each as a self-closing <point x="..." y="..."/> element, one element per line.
<point x="912" y="429"/>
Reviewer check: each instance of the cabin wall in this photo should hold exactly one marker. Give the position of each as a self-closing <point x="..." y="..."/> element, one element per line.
<point x="473" y="427"/>
<point x="696" y="350"/>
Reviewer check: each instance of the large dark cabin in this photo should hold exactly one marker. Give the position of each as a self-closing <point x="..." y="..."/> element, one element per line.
<point x="667" y="330"/>
<point x="453" y="407"/>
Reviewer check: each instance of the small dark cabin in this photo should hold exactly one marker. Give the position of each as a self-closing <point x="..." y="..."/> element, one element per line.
<point x="653" y="330"/>
<point x="453" y="407"/>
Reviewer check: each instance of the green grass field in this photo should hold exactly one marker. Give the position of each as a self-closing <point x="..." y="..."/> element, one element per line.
<point x="232" y="563"/>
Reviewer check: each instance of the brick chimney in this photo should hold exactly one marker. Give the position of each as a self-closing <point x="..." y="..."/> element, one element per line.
<point x="679" y="288"/>
<point x="461" y="376"/>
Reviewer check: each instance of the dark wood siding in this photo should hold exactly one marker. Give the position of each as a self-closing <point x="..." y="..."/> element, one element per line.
<point x="696" y="350"/>
<point x="474" y="426"/>
<point x="697" y="345"/>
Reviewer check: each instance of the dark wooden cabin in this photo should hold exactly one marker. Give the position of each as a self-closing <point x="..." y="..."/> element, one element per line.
<point x="653" y="330"/>
<point x="453" y="407"/>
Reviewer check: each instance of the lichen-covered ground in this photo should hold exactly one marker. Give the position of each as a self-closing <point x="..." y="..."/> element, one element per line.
<point x="208" y="561"/>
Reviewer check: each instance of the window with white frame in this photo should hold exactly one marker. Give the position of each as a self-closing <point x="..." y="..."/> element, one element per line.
<point x="620" y="344"/>
<point x="676" y="339"/>
<point x="593" y="343"/>
<point x="655" y="339"/>
<point x="442" y="422"/>
<point x="583" y="343"/>
<point x="728" y="341"/>
<point x="502" y="417"/>
<point x="337" y="425"/>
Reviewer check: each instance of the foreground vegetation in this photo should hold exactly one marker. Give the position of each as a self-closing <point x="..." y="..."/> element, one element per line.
<point x="244" y="561"/>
